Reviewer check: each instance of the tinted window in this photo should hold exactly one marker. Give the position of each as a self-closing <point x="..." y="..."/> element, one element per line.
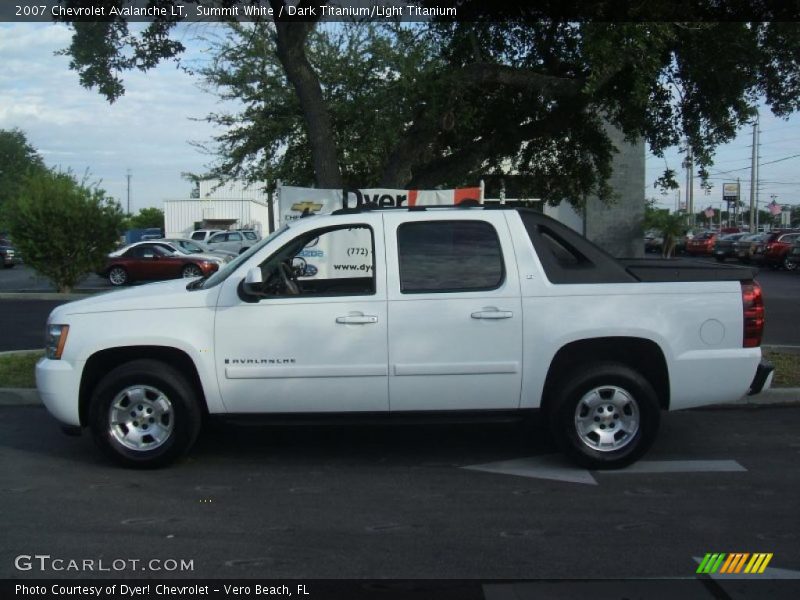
<point x="449" y="256"/>
<point x="217" y="237"/>
<point x="234" y="237"/>
<point x="198" y="235"/>
<point x="250" y="235"/>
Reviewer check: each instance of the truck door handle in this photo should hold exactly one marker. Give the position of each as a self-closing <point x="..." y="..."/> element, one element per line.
<point x="357" y="319"/>
<point x="492" y="313"/>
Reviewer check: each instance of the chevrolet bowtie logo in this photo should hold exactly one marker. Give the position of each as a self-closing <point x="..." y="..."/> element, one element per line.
<point x="307" y="205"/>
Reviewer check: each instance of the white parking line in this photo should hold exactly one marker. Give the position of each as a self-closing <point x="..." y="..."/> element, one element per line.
<point x="557" y="468"/>
<point x="680" y="466"/>
<point x="551" y="466"/>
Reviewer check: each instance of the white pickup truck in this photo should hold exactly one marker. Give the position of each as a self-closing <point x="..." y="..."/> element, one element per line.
<point x="445" y="311"/>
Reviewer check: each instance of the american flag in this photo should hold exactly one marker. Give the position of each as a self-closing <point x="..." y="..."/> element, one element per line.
<point x="774" y="208"/>
<point x="709" y="212"/>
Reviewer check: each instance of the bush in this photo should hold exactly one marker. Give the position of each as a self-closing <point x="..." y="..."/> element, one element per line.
<point x="63" y="228"/>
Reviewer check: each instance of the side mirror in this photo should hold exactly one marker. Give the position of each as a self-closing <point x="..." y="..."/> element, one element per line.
<point x="253" y="283"/>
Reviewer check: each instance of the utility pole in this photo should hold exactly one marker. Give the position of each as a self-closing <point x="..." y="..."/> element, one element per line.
<point x="754" y="180"/>
<point x="128" y="177"/>
<point x="690" y="185"/>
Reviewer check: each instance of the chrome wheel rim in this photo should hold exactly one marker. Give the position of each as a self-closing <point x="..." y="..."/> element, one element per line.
<point x="607" y="418"/>
<point x="141" y="418"/>
<point x="117" y="276"/>
<point x="191" y="271"/>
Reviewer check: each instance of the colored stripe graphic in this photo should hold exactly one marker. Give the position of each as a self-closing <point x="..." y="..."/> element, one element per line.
<point x="733" y="563"/>
<point x="758" y="563"/>
<point x="711" y="563"/>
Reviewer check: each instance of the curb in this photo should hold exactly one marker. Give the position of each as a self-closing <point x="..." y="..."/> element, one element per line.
<point x="772" y="397"/>
<point x="35" y="295"/>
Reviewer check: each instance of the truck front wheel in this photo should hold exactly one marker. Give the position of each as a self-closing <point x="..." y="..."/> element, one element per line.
<point x="605" y="416"/>
<point x="144" y="414"/>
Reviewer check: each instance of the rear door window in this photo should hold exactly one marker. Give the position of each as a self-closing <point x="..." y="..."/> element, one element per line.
<point x="449" y="256"/>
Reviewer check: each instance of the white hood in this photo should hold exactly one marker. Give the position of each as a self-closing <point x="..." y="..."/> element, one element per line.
<point x="152" y="296"/>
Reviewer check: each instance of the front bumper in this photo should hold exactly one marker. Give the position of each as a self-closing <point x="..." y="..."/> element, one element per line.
<point x="763" y="379"/>
<point x="57" y="382"/>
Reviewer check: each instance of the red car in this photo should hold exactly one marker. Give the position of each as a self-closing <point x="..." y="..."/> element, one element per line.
<point x="774" y="250"/>
<point x="702" y="244"/>
<point x="152" y="261"/>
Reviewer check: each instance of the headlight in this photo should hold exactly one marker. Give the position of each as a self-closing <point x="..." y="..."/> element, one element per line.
<point x="55" y="338"/>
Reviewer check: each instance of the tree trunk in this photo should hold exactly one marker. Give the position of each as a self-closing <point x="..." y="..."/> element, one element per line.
<point x="291" y="38"/>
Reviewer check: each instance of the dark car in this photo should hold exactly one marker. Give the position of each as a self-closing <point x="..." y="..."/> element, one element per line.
<point x="724" y="247"/>
<point x="702" y="244"/>
<point x="774" y="250"/>
<point x="152" y="262"/>
<point x="793" y="258"/>
<point x="8" y="254"/>
<point x="744" y="248"/>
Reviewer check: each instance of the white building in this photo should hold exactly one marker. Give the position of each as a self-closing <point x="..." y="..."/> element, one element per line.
<point x="234" y="205"/>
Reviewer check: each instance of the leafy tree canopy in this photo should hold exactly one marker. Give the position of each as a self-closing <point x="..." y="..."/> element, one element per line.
<point x="146" y="218"/>
<point x="445" y="103"/>
<point x="18" y="159"/>
<point x="63" y="228"/>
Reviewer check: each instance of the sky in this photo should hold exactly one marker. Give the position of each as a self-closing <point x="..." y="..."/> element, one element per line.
<point x="150" y="129"/>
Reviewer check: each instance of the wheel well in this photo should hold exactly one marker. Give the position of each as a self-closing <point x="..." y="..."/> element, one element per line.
<point x="645" y="356"/>
<point x="100" y="363"/>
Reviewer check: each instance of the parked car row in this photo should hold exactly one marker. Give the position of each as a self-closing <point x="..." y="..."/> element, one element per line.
<point x="775" y="249"/>
<point x="170" y="258"/>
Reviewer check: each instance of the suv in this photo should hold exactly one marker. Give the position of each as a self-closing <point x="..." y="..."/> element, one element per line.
<point x="774" y="250"/>
<point x="232" y="241"/>
<point x="202" y="235"/>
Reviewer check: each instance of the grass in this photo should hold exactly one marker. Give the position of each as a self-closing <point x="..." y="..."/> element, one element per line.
<point x="16" y="370"/>
<point x="787" y="368"/>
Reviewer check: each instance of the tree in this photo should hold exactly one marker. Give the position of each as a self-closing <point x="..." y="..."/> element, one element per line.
<point x="147" y="218"/>
<point x="526" y="96"/>
<point x="671" y="226"/>
<point x="18" y="159"/>
<point x="63" y="228"/>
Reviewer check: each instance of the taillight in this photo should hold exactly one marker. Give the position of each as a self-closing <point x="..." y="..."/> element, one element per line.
<point x="753" y="307"/>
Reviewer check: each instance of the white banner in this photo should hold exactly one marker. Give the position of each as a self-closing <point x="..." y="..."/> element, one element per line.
<point x="346" y="253"/>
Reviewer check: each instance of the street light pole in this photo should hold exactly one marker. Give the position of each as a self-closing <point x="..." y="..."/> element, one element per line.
<point x="128" y="176"/>
<point x="754" y="179"/>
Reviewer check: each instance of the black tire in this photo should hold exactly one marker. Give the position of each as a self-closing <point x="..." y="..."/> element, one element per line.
<point x="172" y="432"/>
<point x="788" y="264"/>
<point x="191" y="271"/>
<point x="616" y="385"/>
<point x="117" y="276"/>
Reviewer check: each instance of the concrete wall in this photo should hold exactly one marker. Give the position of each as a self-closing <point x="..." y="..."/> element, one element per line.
<point x="617" y="228"/>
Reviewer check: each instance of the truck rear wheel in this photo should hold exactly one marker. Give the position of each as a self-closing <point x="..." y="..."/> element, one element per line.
<point x="144" y="414"/>
<point x="605" y="416"/>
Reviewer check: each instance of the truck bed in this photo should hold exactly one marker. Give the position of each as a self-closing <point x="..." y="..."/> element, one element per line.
<point x="685" y="269"/>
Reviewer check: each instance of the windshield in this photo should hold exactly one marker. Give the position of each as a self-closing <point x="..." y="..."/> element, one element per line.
<point x="187" y="246"/>
<point x="226" y="271"/>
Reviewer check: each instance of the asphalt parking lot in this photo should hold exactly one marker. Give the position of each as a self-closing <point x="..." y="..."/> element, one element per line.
<point x="408" y="502"/>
